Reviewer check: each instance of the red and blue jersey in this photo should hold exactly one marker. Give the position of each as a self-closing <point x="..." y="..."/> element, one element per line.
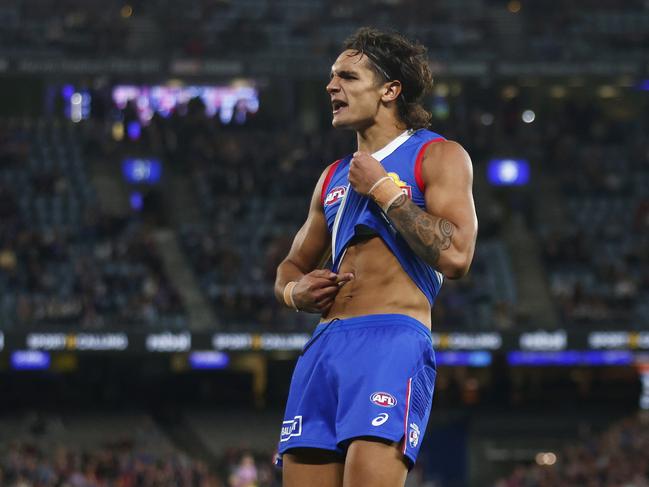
<point x="349" y="213"/>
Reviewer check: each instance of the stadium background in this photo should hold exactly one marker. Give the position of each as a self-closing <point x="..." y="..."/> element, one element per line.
<point x="156" y="159"/>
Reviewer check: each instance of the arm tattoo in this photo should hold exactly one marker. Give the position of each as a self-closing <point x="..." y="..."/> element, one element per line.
<point x="426" y="234"/>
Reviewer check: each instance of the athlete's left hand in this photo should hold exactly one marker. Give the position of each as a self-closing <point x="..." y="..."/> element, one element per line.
<point x="364" y="171"/>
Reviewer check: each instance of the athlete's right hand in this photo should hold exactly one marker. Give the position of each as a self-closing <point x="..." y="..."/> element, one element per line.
<point x="315" y="292"/>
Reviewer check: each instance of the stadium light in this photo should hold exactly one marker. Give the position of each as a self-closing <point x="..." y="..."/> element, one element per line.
<point x="508" y="172"/>
<point x="528" y="116"/>
<point x="486" y="119"/>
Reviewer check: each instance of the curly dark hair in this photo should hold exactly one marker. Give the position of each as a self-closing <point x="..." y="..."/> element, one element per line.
<point x="393" y="57"/>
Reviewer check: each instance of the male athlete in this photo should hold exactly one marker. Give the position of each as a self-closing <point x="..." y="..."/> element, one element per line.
<point x="399" y="216"/>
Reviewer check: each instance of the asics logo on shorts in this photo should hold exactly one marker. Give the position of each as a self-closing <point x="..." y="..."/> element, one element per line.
<point x="383" y="399"/>
<point x="380" y="419"/>
<point x="291" y="428"/>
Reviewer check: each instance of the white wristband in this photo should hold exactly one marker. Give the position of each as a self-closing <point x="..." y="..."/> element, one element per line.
<point x="374" y="186"/>
<point x="384" y="192"/>
<point x="387" y="206"/>
<point x="288" y="295"/>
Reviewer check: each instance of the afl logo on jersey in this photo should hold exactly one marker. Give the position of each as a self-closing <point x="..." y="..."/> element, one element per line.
<point x="334" y="195"/>
<point x="405" y="187"/>
<point x="383" y="399"/>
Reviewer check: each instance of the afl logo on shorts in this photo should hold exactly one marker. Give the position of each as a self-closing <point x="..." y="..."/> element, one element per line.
<point x="334" y="195"/>
<point x="383" y="399"/>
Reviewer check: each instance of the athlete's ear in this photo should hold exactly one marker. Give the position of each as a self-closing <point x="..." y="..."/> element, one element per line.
<point x="391" y="91"/>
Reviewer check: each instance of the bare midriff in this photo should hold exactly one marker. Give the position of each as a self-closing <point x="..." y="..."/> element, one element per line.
<point x="380" y="285"/>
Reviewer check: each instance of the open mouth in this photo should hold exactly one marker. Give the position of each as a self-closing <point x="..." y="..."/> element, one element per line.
<point x="337" y="106"/>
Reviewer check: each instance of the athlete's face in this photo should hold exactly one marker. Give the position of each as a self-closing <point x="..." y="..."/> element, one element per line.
<point x="355" y="91"/>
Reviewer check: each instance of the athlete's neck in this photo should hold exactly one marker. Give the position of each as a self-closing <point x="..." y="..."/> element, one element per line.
<point x="377" y="136"/>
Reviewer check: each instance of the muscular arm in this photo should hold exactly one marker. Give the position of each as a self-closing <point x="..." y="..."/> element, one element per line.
<point x="316" y="288"/>
<point x="309" y="245"/>
<point x="444" y="235"/>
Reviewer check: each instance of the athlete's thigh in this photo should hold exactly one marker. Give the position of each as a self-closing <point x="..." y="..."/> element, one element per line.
<point x="374" y="463"/>
<point x="312" y="467"/>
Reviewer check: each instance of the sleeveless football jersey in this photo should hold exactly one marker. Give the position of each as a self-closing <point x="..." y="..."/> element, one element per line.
<point x="349" y="213"/>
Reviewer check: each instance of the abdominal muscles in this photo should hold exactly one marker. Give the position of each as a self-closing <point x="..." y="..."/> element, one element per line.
<point x="380" y="285"/>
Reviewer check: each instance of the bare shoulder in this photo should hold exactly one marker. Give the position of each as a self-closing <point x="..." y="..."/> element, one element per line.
<point x="446" y="153"/>
<point x="444" y="159"/>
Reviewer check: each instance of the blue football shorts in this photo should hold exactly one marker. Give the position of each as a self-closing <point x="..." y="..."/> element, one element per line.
<point x="367" y="376"/>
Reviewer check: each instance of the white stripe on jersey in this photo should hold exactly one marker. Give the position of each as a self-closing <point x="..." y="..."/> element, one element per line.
<point x="379" y="155"/>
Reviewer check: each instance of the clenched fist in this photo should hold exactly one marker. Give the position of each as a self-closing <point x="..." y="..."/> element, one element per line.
<point x="364" y="171"/>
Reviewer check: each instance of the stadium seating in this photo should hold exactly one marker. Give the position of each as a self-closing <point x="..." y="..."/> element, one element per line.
<point x="95" y="449"/>
<point x="267" y="33"/>
<point x="64" y="263"/>
<point x="616" y="456"/>
<point x="597" y="266"/>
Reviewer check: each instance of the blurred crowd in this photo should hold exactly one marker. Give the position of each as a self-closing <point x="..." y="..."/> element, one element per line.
<point x="616" y="458"/>
<point x="254" y="182"/>
<point x="280" y="30"/>
<point x="121" y="464"/>
<point x="62" y="260"/>
<point x="596" y="256"/>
